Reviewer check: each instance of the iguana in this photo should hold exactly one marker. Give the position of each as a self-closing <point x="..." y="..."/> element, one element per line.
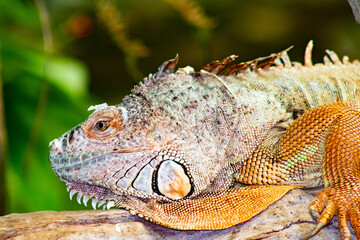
<point x="172" y="151"/>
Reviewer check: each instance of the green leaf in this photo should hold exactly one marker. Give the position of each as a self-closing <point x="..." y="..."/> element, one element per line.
<point x="68" y="74"/>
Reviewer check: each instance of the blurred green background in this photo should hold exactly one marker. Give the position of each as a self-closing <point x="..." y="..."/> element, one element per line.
<point x="101" y="49"/>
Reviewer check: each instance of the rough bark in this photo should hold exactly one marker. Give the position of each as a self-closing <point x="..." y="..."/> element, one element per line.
<point x="288" y="218"/>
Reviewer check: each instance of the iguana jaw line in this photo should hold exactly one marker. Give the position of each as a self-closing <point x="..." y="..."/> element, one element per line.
<point x="99" y="196"/>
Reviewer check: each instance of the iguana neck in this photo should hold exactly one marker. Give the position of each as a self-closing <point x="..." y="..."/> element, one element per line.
<point x="202" y="118"/>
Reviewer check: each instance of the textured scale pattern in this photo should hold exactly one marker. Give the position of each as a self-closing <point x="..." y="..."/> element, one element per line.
<point x="231" y="208"/>
<point x="172" y="150"/>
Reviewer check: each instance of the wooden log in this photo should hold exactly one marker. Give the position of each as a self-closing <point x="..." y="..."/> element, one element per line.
<point x="288" y="218"/>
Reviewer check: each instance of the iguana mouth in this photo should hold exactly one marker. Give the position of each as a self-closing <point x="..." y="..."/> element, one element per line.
<point x="99" y="196"/>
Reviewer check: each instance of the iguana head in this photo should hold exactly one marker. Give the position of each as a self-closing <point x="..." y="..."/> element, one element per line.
<point x="151" y="146"/>
<point x="117" y="151"/>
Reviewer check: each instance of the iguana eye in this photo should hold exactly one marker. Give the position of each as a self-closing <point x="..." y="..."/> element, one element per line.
<point x="101" y="126"/>
<point x="105" y="123"/>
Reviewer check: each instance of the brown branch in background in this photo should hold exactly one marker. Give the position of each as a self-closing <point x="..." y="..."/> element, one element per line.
<point x="192" y="13"/>
<point x="112" y="20"/>
<point x="3" y="146"/>
<point x="42" y="101"/>
<point x="46" y="28"/>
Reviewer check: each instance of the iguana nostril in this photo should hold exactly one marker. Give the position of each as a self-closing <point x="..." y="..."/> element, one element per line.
<point x="71" y="136"/>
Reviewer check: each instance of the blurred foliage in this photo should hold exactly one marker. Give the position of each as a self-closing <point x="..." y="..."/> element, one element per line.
<point x="30" y="183"/>
<point x="102" y="48"/>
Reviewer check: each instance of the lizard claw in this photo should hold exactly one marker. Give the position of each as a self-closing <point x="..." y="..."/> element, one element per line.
<point x="317" y="229"/>
<point x="344" y="202"/>
<point x="315" y="215"/>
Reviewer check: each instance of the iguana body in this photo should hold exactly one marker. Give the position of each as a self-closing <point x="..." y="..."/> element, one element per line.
<point x="172" y="150"/>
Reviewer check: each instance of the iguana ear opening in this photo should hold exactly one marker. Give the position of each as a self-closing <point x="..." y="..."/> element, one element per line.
<point x="172" y="180"/>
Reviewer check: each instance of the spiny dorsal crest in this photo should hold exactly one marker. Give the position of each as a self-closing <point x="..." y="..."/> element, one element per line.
<point x="221" y="68"/>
